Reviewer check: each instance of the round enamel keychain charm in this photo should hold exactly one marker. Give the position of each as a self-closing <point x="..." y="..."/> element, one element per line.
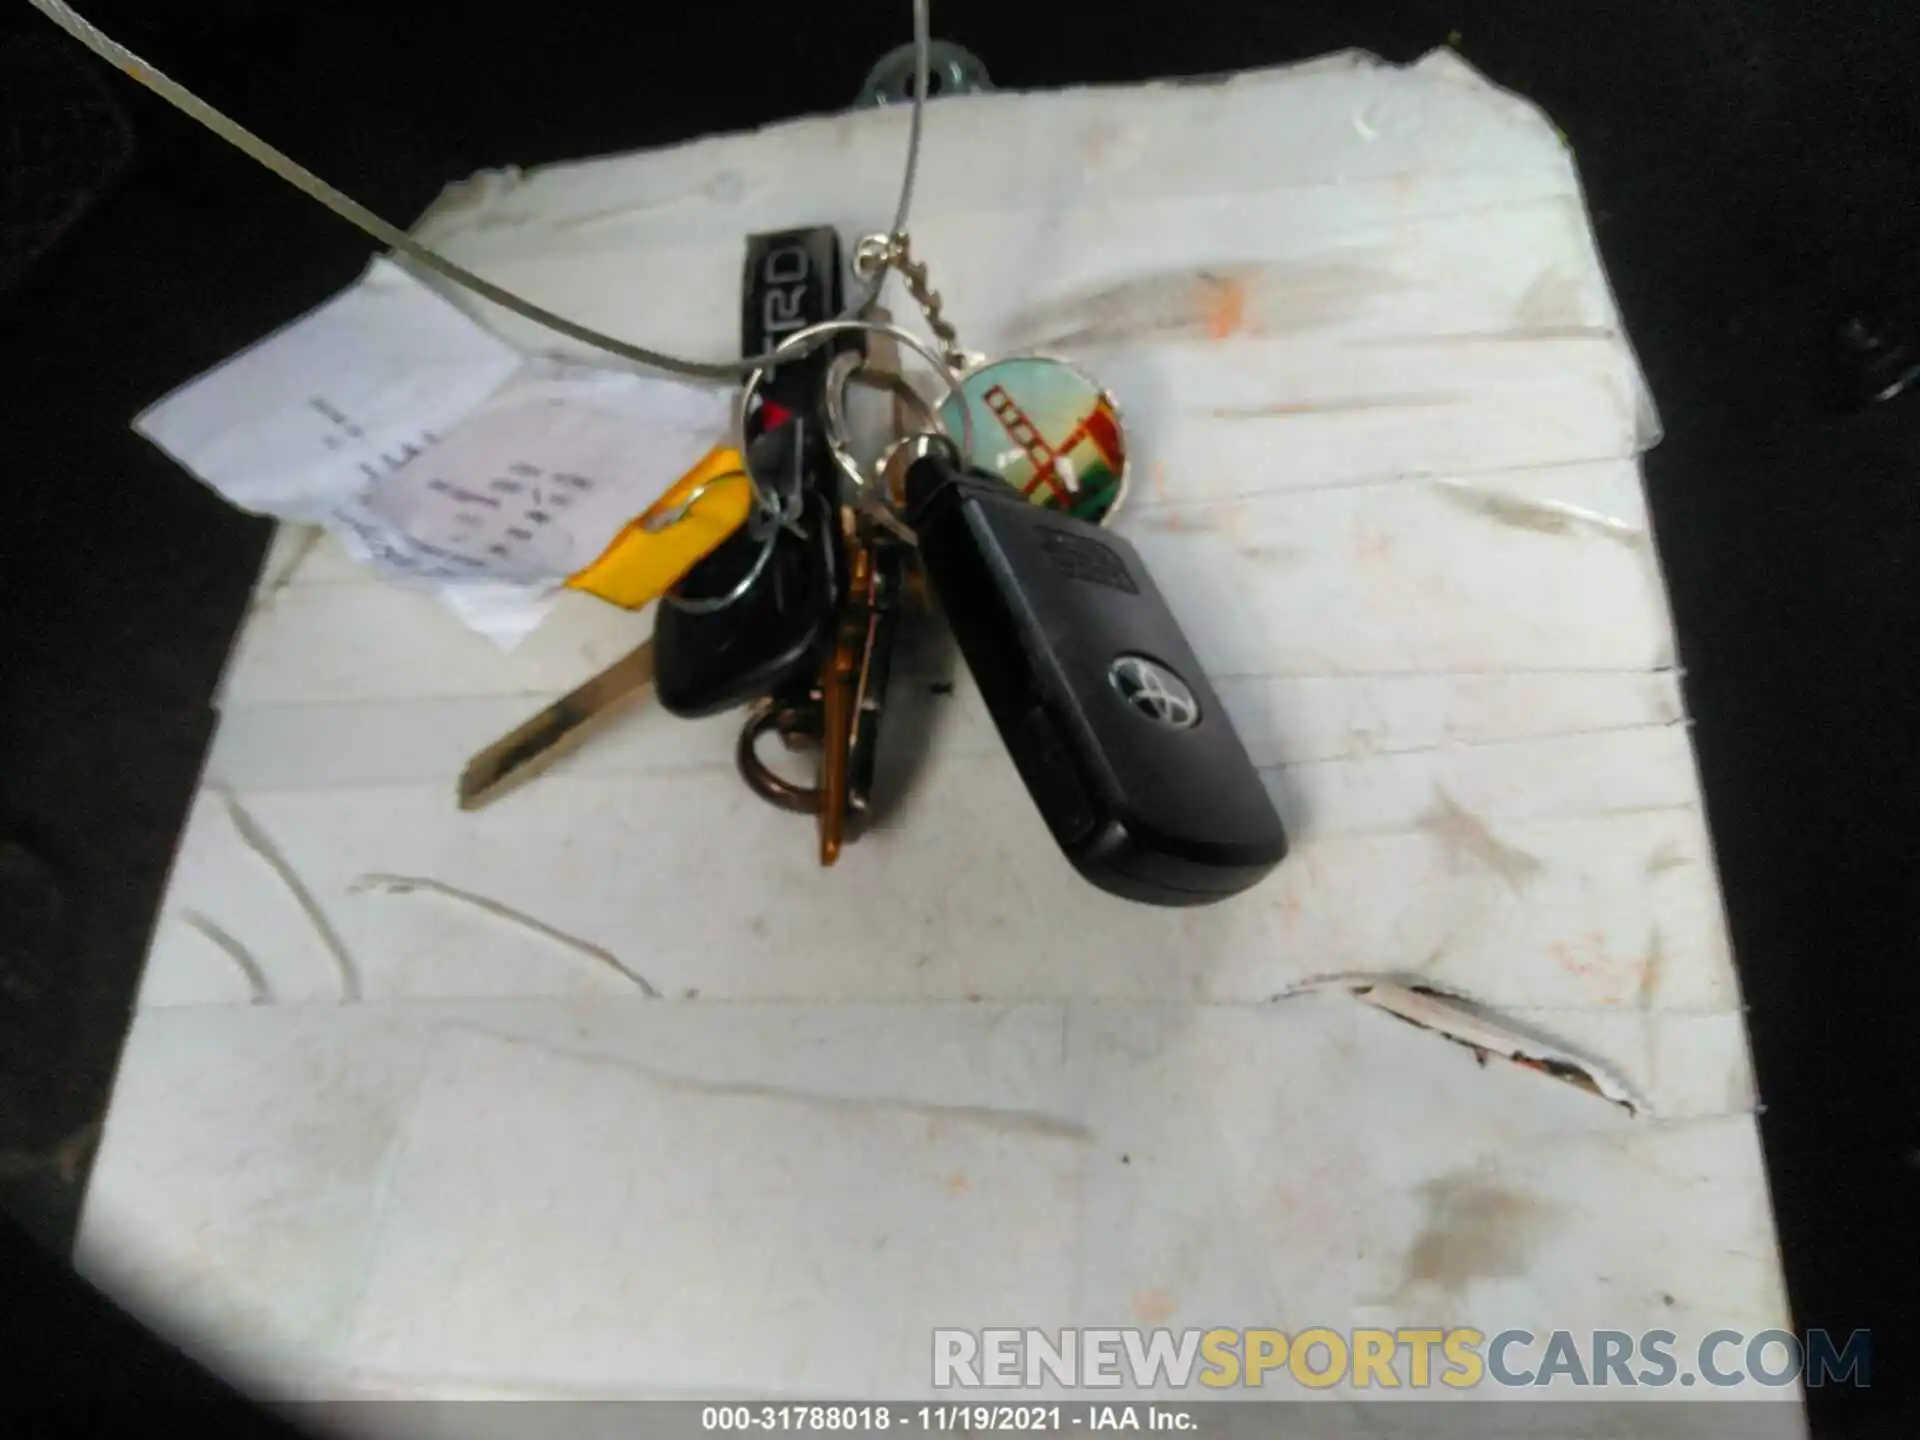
<point x="1038" y="423"/>
<point x="1048" y="430"/>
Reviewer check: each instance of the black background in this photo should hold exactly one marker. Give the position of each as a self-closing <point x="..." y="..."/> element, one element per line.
<point x="1751" y="168"/>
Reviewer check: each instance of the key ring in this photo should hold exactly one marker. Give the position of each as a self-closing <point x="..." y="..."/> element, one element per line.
<point x="833" y="405"/>
<point x="881" y="505"/>
<point x="655" y="524"/>
<point x="775" y="517"/>
<point x="786" y="720"/>
<point x="778" y="516"/>
<point x="849" y="367"/>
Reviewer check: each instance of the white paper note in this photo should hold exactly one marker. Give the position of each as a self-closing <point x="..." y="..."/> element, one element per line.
<point x="437" y="453"/>
<point x="320" y="410"/>
<point x="533" y="484"/>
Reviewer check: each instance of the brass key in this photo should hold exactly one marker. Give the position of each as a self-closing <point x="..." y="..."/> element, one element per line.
<point x="528" y="749"/>
<point x="841" y="712"/>
<point x="839" y="684"/>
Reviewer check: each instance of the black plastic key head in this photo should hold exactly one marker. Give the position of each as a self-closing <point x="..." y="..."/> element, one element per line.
<point x="773" y="635"/>
<point x="1120" y="739"/>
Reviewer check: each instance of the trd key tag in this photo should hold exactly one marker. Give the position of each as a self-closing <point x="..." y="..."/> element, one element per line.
<point x="1120" y="739"/>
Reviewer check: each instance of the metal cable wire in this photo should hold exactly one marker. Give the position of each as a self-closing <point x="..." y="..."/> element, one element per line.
<point x="425" y="256"/>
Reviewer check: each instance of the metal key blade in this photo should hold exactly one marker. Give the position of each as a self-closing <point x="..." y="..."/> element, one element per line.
<point x="529" y="748"/>
<point x="837" y="722"/>
<point x="883" y="587"/>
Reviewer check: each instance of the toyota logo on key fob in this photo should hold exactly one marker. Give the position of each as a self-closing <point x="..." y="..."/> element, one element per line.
<point x="1155" y="691"/>
<point x="1121" y="741"/>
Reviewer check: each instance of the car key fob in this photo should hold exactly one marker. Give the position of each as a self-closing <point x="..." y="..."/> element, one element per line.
<point x="1121" y="741"/>
<point x="773" y="634"/>
<point x="771" y="637"/>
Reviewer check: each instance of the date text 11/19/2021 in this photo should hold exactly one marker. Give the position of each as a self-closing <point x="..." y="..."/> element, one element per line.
<point x="948" y="1419"/>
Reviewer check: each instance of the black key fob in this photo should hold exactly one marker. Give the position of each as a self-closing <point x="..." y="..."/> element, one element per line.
<point x="771" y="636"/>
<point x="1119" y="737"/>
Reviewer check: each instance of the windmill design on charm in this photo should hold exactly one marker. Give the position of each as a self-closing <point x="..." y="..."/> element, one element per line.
<point x="1045" y="427"/>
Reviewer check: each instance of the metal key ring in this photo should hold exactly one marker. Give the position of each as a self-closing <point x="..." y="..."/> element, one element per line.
<point x="916" y="448"/>
<point x="833" y="402"/>
<point x="801" y="340"/>
<point x="655" y="524"/>
<point x="776" y="519"/>
<point x="850" y="367"/>
<point x="770" y="715"/>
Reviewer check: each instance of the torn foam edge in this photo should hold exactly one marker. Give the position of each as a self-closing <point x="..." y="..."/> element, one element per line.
<point x="1448" y="66"/>
<point x="1486" y="1032"/>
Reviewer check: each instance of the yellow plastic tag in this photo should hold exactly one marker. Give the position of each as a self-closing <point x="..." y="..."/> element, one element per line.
<point x="655" y="550"/>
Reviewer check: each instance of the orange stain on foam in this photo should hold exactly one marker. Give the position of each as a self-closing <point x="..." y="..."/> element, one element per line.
<point x="1587" y="956"/>
<point x="1152" y="1307"/>
<point x="1223" y="305"/>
